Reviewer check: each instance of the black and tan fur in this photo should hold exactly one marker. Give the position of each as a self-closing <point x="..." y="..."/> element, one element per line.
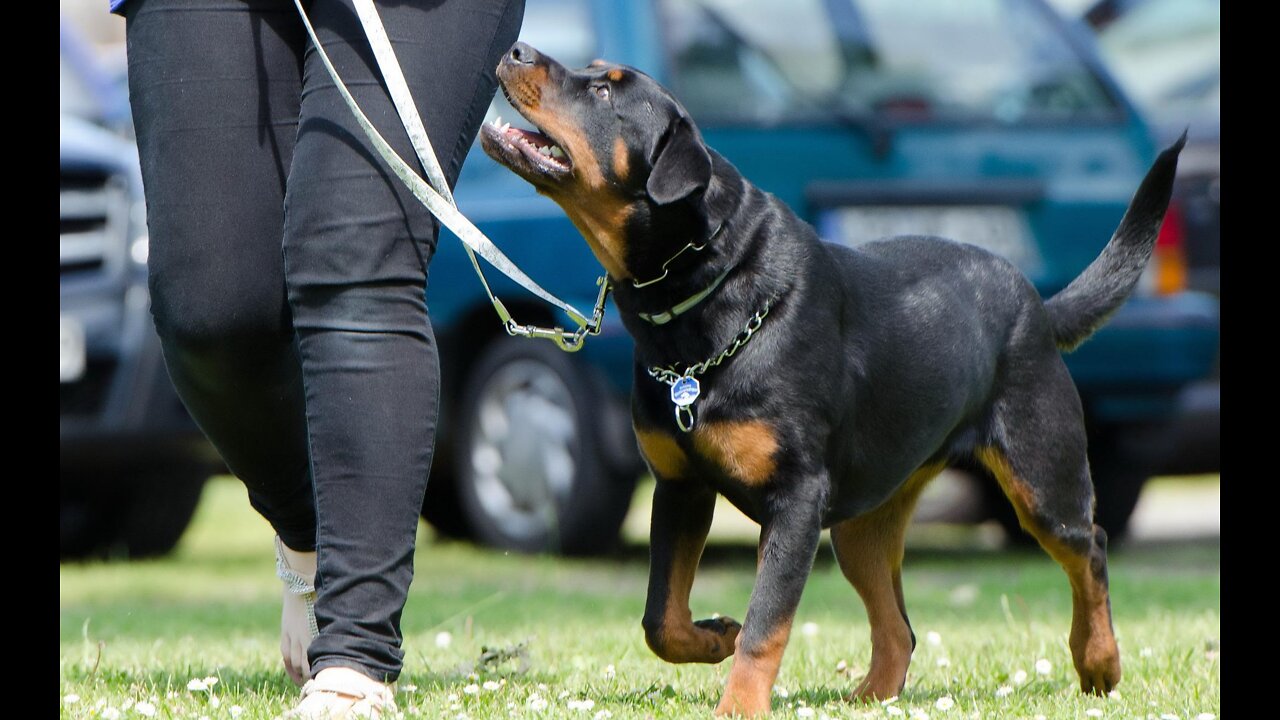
<point x="875" y="369"/>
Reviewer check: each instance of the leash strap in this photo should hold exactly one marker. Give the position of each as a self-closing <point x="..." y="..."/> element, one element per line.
<point x="439" y="200"/>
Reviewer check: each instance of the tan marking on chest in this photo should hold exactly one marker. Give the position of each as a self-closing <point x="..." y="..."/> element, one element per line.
<point x="744" y="449"/>
<point x="664" y="456"/>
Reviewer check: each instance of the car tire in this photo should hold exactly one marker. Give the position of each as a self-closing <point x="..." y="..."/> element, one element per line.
<point x="128" y="513"/>
<point x="1119" y="469"/>
<point x="531" y="461"/>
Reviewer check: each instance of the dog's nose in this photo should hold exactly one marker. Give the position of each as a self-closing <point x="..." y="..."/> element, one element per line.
<point x="522" y="54"/>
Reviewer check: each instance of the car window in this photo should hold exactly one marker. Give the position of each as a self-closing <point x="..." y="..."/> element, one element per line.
<point x="1168" y="55"/>
<point x="559" y="28"/>
<point x="785" y="60"/>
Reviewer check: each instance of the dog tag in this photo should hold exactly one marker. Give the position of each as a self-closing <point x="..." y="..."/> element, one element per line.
<point x="684" y="391"/>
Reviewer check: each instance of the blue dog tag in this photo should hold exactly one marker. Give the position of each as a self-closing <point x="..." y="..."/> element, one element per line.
<point x="684" y="391"/>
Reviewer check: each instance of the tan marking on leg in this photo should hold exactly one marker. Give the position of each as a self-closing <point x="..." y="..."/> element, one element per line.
<point x="664" y="456"/>
<point x="679" y="640"/>
<point x="869" y="549"/>
<point x="744" y="449"/>
<point x="1093" y="644"/>
<point x="750" y="686"/>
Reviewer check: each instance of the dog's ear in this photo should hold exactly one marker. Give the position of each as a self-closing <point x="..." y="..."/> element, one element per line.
<point x="680" y="161"/>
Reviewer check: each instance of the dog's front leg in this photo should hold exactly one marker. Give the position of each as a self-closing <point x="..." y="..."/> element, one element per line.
<point x="788" y="542"/>
<point x="682" y="512"/>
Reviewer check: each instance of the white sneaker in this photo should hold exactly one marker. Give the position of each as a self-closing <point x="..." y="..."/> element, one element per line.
<point x="298" y="609"/>
<point x="340" y="693"/>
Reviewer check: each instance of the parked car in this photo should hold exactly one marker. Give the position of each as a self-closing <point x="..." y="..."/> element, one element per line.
<point x="990" y="122"/>
<point x="131" y="463"/>
<point x="1167" y="54"/>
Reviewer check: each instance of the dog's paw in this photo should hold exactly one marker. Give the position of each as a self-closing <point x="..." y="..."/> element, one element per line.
<point x="725" y="636"/>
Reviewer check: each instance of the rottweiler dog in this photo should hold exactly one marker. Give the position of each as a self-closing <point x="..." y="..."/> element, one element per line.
<point x="813" y="385"/>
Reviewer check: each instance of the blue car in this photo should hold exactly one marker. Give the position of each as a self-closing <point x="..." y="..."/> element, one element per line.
<point x="991" y="122"/>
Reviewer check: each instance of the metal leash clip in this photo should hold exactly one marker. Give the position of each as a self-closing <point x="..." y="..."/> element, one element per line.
<point x="568" y="341"/>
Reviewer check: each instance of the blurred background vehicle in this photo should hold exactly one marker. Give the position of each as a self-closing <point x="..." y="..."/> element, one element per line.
<point x="993" y="122"/>
<point x="131" y="463"/>
<point x="1167" y="54"/>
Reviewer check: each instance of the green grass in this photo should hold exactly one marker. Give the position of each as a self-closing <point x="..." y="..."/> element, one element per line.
<point x="131" y="632"/>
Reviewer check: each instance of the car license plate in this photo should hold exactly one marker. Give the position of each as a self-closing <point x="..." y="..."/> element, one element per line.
<point x="71" y="355"/>
<point x="999" y="229"/>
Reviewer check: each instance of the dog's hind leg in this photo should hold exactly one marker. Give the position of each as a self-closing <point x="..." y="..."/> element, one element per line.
<point x="1038" y="457"/>
<point x="682" y="512"/>
<point x="869" y="549"/>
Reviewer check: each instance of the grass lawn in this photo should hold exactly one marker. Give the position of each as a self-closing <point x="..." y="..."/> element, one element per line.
<point x="132" y="636"/>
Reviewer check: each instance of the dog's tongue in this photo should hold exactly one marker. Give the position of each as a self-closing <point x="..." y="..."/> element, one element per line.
<point x="536" y="141"/>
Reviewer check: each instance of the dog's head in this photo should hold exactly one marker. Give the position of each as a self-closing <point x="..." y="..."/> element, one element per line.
<point x="613" y="147"/>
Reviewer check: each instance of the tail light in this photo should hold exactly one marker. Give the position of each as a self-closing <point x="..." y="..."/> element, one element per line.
<point x="1168" y="269"/>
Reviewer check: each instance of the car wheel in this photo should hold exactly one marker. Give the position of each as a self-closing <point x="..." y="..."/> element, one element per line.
<point x="1119" y="469"/>
<point x="126" y="513"/>
<point x="530" y="457"/>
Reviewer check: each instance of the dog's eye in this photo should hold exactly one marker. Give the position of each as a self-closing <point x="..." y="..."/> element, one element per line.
<point x="601" y="91"/>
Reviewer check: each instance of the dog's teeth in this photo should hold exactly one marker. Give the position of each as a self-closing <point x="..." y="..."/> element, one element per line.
<point x="497" y="121"/>
<point x="556" y="151"/>
<point x="506" y="127"/>
<point x="544" y="150"/>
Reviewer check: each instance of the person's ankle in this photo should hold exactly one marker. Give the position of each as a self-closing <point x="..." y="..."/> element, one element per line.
<point x="303" y="563"/>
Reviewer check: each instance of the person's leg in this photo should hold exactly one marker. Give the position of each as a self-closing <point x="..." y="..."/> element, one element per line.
<point x="215" y="93"/>
<point x="215" y="90"/>
<point x="356" y="249"/>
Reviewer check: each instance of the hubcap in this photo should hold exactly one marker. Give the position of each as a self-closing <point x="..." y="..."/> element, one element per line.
<point x="522" y="454"/>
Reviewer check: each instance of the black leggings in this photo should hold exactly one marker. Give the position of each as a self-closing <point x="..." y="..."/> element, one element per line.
<point x="288" y="269"/>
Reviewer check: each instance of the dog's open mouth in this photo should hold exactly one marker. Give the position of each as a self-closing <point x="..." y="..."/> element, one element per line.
<point x="530" y="151"/>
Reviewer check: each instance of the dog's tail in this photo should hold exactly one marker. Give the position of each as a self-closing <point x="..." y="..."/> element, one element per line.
<point x="1083" y="306"/>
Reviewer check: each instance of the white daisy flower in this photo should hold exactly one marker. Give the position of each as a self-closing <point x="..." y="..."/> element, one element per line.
<point x="603" y="715"/>
<point x="490" y="685"/>
<point x="1019" y="677"/>
<point x="964" y="595"/>
<point x="1003" y="691"/>
<point x="1093" y="712"/>
<point x="945" y="703"/>
<point x="805" y="712"/>
<point x="145" y="708"/>
<point x="894" y="710"/>
<point x="944" y="662"/>
<point x="809" y="629"/>
<point x="780" y="691"/>
<point x="453" y="697"/>
<point x="471" y="689"/>
<point x="443" y="639"/>
<point x="586" y="704"/>
<point x="1145" y="652"/>
<point x="408" y="688"/>
<point x="537" y="703"/>
<point x="842" y="666"/>
<point x="197" y="685"/>
<point x="110" y="713"/>
<point x="609" y="672"/>
<point x="1169" y="716"/>
<point x="128" y="703"/>
<point x="933" y="638"/>
<point x="1043" y="667"/>
<point x="1205" y="716"/>
<point x="71" y="698"/>
<point x="236" y="711"/>
<point x="890" y="701"/>
<point x="214" y="701"/>
<point x="919" y="715"/>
